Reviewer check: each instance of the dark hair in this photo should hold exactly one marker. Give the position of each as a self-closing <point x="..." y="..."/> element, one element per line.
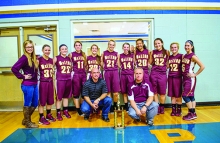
<point x="83" y="53"/>
<point x="98" y="58"/>
<point x="129" y="52"/>
<point x="191" y="43"/>
<point x="144" y="46"/>
<point x="62" y="46"/>
<point x="45" y="45"/>
<point x="163" y="50"/>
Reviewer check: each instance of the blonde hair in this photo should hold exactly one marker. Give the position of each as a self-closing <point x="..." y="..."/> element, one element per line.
<point x="31" y="58"/>
<point x="111" y="41"/>
<point x="178" y="45"/>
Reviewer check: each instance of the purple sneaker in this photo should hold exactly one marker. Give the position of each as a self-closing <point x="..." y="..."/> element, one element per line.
<point x="59" y="117"/>
<point x="179" y="112"/>
<point x="188" y="117"/>
<point x="162" y="110"/>
<point x="158" y="110"/>
<point x="43" y="121"/>
<point x="173" y="113"/>
<point x="50" y="117"/>
<point x="66" y="114"/>
<point x="194" y="116"/>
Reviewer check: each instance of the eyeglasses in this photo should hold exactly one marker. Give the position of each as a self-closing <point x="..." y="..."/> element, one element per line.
<point x="29" y="47"/>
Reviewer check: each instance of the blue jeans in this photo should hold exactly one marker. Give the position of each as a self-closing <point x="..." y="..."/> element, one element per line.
<point x="30" y="95"/>
<point x="106" y="103"/>
<point x="151" y="111"/>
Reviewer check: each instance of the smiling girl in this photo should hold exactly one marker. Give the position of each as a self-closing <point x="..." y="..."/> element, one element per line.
<point x="29" y="65"/>
<point x="158" y="76"/>
<point x="189" y="78"/>
<point x="175" y="79"/>
<point x="94" y="60"/>
<point x="46" y="89"/>
<point x="78" y="59"/>
<point x="64" y="84"/>
<point x="127" y="71"/>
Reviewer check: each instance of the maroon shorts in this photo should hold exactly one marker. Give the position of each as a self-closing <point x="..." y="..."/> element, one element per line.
<point x="64" y="89"/>
<point x="77" y="84"/>
<point x="174" y="86"/>
<point x="46" y="93"/>
<point x="125" y="81"/>
<point x="189" y="85"/>
<point x="146" y="75"/>
<point x="112" y="81"/>
<point x="159" y="82"/>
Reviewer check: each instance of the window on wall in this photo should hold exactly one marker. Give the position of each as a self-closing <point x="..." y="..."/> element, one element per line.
<point x="99" y="33"/>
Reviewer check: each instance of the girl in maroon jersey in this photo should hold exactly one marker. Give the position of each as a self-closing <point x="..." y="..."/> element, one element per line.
<point x="78" y="59"/>
<point x="189" y="78"/>
<point x="158" y="77"/>
<point x="175" y="79"/>
<point x="142" y="56"/>
<point x="127" y="71"/>
<point x="94" y="60"/>
<point x="64" y="84"/>
<point x="110" y="63"/>
<point x="46" y="90"/>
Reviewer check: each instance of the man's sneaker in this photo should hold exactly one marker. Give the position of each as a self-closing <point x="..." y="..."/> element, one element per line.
<point x="80" y="113"/>
<point x="188" y="117"/>
<point x="150" y="123"/>
<point x="158" y="112"/>
<point x="162" y="110"/>
<point x="50" y="117"/>
<point x="112" y="110"/>
<point x="106" y="119"/>
<point x="59" y="117"/>
<point x="43" y="121"/>
<point x="86" y="117"/>
<point x="137" y="120"/>
<point x="66" y="114"/>
<point x="194" y="116"/>
<point x="178" y="112"/>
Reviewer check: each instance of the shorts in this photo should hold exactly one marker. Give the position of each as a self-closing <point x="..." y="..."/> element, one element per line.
<point x="77" y="84"/>
<point x="112" y="81"/>
<point x="159" y="82"/>
<point x="189" y="85"/>
<point x="174" y="86"/>
<point x="64" y="89"/>
<point x="125" y="81"/>
<point x="46" y="93"/>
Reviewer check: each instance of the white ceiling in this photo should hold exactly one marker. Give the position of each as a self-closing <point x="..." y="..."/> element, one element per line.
<point x="110" y="28"/>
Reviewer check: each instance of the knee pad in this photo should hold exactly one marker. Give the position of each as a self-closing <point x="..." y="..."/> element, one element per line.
<point x="186" y="99"/>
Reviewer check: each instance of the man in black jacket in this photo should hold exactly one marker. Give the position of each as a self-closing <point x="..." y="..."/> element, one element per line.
<point x="95" y="95"/>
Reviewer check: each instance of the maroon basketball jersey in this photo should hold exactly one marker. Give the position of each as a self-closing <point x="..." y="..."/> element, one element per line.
<point x="127" y="63"/>
<point x="159" y="61"/>
<point x="110" y="60"/>
<point x="142" y="59"/>
<point x="78" y="62"/>
<point x="187" y="65"/>
<point x="175" y="65"/>
<point x="63" y="68"/>
<point x="46" y="69"/>
<point x="92" y="63"/>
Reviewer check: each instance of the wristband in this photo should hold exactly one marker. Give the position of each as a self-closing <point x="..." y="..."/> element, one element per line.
<point x="145" y="105"/>
<point x="98" y="99"/>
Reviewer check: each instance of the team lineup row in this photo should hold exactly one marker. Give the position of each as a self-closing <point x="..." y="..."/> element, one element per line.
<point x="74" y="69"/>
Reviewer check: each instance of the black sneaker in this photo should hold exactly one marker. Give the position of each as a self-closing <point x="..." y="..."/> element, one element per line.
<point x="86" y="117"/>
<point x="112" y="110"/>
<point x="106" y="119"/>
<point x="137" y="120"/>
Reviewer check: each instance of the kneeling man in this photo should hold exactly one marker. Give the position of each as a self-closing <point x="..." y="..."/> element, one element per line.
<point x="95" y="95"/>
<point x="140" y="95"/>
